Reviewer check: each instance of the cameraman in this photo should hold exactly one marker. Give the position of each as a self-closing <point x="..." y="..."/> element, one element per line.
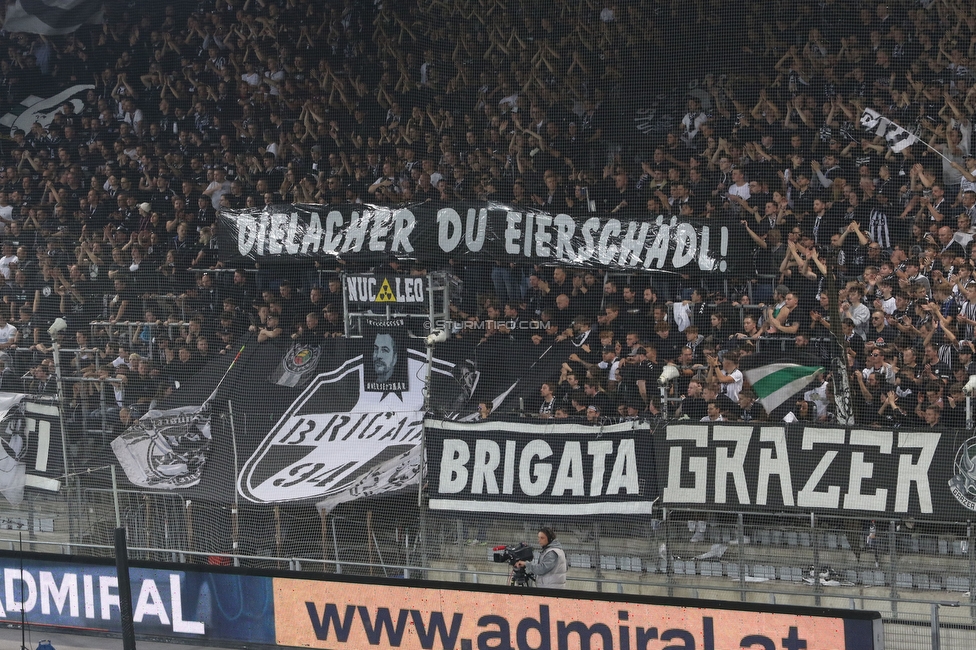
<point x="550" y="569"/>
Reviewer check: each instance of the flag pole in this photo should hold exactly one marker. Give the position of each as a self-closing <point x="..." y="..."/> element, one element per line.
<point x="837" y="331"/>
<point x="226" y="372"/>
<point x="946" y="158"/>
<point x="871" y="121"/>
<point x="235" y="509"/>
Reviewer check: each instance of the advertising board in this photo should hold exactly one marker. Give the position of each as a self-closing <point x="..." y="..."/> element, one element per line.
<point x="223" y="604"/>
<point x="321" y="614"/>
<point x="190" y="603"/>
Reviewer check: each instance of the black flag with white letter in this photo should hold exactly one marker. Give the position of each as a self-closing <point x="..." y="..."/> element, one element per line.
<point x="30" y="446"/>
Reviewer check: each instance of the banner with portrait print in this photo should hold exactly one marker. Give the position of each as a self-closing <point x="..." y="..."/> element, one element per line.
<point x="386" y="367"/>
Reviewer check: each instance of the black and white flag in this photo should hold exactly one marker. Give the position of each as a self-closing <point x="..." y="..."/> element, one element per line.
<point x="28" y="446"/>
<point x="51" y="17"/>
<point x="897" y="137"/>
<point x="870" y="119"/>
<point x="167" y="449"/>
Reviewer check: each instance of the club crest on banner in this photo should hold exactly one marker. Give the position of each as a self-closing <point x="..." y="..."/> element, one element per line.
<point x="321" y="447"/>
<point x="297" y="366"/>
<point x="963" y="484"/>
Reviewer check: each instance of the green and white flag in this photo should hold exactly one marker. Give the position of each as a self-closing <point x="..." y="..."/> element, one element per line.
<point x="775" y="383"/>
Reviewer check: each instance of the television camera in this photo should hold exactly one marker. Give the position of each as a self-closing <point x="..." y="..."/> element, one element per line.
<point x="514" y="553"/>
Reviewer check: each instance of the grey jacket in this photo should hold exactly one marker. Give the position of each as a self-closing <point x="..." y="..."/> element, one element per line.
<point x="550" y="569"/>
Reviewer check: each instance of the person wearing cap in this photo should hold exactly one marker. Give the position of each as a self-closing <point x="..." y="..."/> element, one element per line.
<point x="726" y="372"/>
<point x="611" y="364"/>
<point x="965" y="358"/>
<point x="593" y="414"/>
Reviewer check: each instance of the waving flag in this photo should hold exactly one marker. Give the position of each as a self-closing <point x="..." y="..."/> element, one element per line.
<point x="167" y="449"/>
<point x="897" y="137"/>
<point x="777" y="382"/>
<point x="870" y="119"/>
<point x="53" y="16"/>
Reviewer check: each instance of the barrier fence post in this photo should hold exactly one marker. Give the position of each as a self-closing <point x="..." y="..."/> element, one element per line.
<point x="115" y="498"/>
<point x="972" y="571"/>
<point x="125" y="590"/>
<point x="325" y="541"/>
<point x="462" y="534"/>
<point x="740" y="534"/>
<point x="188" y="513"/>
<point x="598" y="549"/>
<point x="893" y="564"/>
<point x="815" y="543"/>
<point x="936" y="640"/>
<point x="664" y="552"/>
<point x="235" y="509"/>
<point x="335" y="545"/>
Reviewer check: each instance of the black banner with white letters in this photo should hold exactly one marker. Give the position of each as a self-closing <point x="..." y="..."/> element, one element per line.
<point x="872" y="472"/>
<point x="432" y="233"/>
<point x="540" y="468"/>
<point x="390" y="289"/>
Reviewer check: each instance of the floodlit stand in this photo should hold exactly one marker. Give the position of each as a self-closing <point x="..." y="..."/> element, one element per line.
<point x="668" y="374"/>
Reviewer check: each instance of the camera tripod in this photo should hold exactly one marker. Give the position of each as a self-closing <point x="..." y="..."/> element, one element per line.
<point x="521" y="578"/>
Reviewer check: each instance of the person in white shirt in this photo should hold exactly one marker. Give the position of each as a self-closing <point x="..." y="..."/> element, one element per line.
<point x="714" y="413"/>
<point x="8" y="339"/>
<point x="251" y="76"/>
<point x="9" y="257"/>
<point x="218" y="187"/>
<point x="857" y="311"/>
<point x="739" y="187"/>
<point x="728" y="376"/>
<point x="6" y="210"/>
<point x="611" y="364"/>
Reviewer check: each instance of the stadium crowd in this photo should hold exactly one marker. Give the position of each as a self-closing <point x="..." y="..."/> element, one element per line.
<point x="109" y="213"/>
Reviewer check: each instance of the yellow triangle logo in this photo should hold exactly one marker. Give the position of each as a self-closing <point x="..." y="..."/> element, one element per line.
<point x="386" y="293"/>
